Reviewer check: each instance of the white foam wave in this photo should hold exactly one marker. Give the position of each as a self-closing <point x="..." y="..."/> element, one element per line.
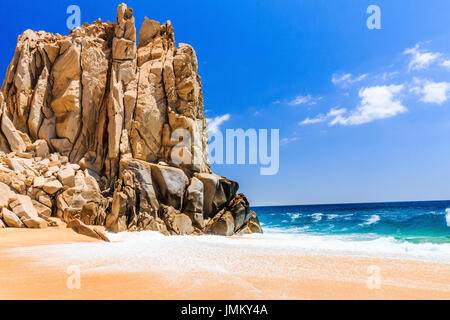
<point x="294" y="216"/>
<point x="317" y="217"/>
<point x="372" y="220"/>
<point x="152" y="252"/>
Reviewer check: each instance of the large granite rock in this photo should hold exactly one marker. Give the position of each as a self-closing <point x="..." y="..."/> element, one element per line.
<point x="106" y="127"/>
<point x="11" y="220"/>
<point x="79" y="227"/>
<point x="235" y="219"/>
<point x="194" y="202"/>
<point x="218" y="191"/>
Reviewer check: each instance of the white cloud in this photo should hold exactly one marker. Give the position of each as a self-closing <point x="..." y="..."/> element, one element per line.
<point x="432" y="92"/>
<point x="320" y="118"/>
<point x="377" y="103"/>
<point x="389" y="75"/>
<point x="347" y="79"/>
<point x="286" y="141"/>
<point x="324" y="117"/>
<point x="214" y="124"/>
<point x="420" y="59"/>
<point x="308" y="99"/>
<point x="446" y="64"/>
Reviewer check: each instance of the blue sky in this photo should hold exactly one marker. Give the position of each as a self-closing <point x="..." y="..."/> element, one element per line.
<point x="364" y="115"/>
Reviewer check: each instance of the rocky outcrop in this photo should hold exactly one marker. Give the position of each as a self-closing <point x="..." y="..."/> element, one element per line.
<point x="107" y="128"/>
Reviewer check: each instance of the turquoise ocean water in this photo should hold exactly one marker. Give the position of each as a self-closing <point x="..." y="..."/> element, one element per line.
<point x="416" y="222"/>
<point x="403" y="229"/>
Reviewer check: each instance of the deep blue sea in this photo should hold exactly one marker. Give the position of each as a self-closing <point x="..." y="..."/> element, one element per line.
<point x="409" y="221"/>
<point x="410" y="229"/>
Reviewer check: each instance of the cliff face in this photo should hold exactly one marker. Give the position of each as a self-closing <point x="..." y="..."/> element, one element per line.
<point x="95" y="96"/>
<point x="106" y="104"/>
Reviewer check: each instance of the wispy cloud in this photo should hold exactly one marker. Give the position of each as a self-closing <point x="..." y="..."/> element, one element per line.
<point x="347" y="79"/>
<point x="420" y="58"/>
<point x="308" y="99"/>
<point x="385" y="76"/>
<point x="214" y="124"/>
<point x="286" y="141"/>
<point x="446" y="64"/>
<point x="324" y="117"/>
<point x="432" y="92"/>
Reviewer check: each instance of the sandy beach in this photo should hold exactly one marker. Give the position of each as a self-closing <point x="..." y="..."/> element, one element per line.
<point x="33" y="276"/>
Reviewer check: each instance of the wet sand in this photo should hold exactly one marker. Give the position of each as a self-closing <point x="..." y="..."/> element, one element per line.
<point x="299" y="276"/>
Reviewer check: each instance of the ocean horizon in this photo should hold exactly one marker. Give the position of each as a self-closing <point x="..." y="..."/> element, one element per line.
<point x="343" y="203"/>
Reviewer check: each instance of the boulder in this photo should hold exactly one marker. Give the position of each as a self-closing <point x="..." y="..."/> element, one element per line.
<point x="193" y="203"/>
<point x="240" y="210"/>
<point x="55" y="222"/>
<point x="67" y="177"/>
<point x="149" y="30"/>
<point x="156" y="224"/>
<point x="117" y="220"/>
<point x="218" y="192"/>
<point x="42" y="209"/>
<point x="6" y="195"/>
<point x="41" y="148"/>
<point x="182" y="225"/>
<point x="223" y="225"/>
<point x="35" y="223"/>
<point x="71" y="201"/>
<point x="23" y="208"/>
<point x="235" y="219"/>
<point x="176" y="222"/>
<point x="18" y="184"/>
<point x="12" y="135"/>
<point x="45" y="200"/>
<point x="89" y="213"/>
<point x="15" y="164"/>
<point x="81" y="228"/>
<point x="171" y="183"/>
<point x="11" y="220"/>
<point x="39" y="182"/>
<point x="254" y="226"/>
<point x="52" y="186"/>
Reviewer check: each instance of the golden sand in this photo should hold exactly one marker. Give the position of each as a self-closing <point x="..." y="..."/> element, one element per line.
<point x="317" y="277"/>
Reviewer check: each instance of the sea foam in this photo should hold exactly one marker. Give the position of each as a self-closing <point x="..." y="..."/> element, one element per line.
<point x="372" y="220"/>
<point x="152" y="252"/>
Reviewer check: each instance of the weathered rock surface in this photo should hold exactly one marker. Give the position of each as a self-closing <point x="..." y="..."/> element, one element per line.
<point x="91" y="129"/>
<point x="11" y="219"/>
<point x="235" y="218"/>
<point x="194" y="200"/>
<point x="81" y="228"/>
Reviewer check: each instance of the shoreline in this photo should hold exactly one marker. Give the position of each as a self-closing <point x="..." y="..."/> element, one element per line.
<point x="39" y="271"/>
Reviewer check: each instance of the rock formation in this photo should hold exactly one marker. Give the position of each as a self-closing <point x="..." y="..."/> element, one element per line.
<point x="91" y="125"/>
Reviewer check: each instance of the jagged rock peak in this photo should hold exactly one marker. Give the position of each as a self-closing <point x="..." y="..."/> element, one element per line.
<point x="95" y="95"/>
